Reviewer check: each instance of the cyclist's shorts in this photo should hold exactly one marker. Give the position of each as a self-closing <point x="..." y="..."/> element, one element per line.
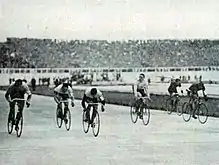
<point x="64" y="96"/>
<point x="141" y="93"/>
<point x="91" y="100"/>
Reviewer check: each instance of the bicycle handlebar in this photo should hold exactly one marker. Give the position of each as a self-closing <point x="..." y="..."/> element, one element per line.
<point x="93" y="103"/>
<point x="64" y="101"/>
<point x="18" y="99"/>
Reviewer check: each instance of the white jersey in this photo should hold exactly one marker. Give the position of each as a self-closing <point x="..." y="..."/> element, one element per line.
<point x="69" y="92"/>
<point x="99" y="94"/>
<point x="138" y="86"/>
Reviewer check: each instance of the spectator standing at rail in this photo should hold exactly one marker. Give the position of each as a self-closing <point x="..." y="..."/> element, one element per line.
<point x="33" y="84"/>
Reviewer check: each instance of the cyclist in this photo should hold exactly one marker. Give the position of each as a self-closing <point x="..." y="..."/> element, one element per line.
<point x="172" y="89"/>
<point x="92" y="95"/>
<point x="140" y="90"/>
<point x="63" y="92"/>
<point x="17" y="89"/>
<point x="193" y="93"/>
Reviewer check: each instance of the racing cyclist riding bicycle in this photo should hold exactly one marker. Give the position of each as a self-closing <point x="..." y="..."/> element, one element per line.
<point x="172" y="89"/>
<point x="63" y="92"/>
<point x="140" y="90"/>
<point x="193" y="93"/>
<point x="92" y="95"/>
<point x="17" y="89"/>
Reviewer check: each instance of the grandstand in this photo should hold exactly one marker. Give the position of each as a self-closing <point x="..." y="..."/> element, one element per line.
<point x="48" y="53"/>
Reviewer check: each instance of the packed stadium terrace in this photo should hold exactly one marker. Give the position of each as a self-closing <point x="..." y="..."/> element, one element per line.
<point x="48" y="53"/>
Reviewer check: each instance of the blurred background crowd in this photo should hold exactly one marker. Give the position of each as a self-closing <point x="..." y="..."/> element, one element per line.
<point x="48" y="53"/>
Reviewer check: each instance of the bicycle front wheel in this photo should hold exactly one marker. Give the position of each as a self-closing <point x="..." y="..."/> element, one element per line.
<point x="178" y="110"/>
<point x="146" y="115"/>
<point x="186" y="110"/>
<point x="68" y="120"/>
<point x="202" y="113"/>
<point x="59" y="117"/>
<point x="20" y="127"/>
<point x="10" y="123"/>
<point x="133" y="114"/>
<point x="96" y="124"/>
<point x="169" y="106"/>
<point x="85" y="124"/>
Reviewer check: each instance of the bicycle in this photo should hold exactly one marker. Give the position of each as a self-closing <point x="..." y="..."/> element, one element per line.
<point x="172" y="104"/>
<point x="66" y="116"/>
<point x="12" y="120"/>
<point x="144" y="113"/>
<point x="93" y="120"/>
<point x="200" y="109"/>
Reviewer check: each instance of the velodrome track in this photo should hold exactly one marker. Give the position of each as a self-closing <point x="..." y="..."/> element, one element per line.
<point x="167" y="140"/>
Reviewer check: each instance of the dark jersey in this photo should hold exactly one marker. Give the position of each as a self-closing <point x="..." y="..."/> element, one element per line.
<point x="194" y="88"/>
<point x="173" y="87"/>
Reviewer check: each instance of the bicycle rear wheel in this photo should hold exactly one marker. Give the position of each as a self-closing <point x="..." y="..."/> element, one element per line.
<point x="86" y="124"/>
<point x="133" y="114"/>
<point x="96" y="124"/>
<point x="186" y="110"/>
<point x="169" y="106"/>
<point x="20" y="126"/>
<point x="10" y="123"/>
<point x="202" y="113"/>
<point x="178" y="109"/>
<point x="59" y="117"/>
<point x="68" y="122"/>
<point x="146" y="115"/>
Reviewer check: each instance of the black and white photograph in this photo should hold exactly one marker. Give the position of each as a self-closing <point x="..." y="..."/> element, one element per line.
<point x="109" y="82"/>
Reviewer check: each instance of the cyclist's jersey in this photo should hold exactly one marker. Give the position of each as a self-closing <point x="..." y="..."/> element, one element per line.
<point x="141" y="87"/>
<point x="173" y="87"/>
<point x="66" y="94"/>
<point x="99" y="94"/>
<point x="194" y="88"/>
<point x="17" y="92"/>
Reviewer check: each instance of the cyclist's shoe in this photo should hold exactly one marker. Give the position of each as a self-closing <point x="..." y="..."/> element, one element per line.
<point x="194" y="116"/>
<point x="85" y="120"/>
<point x="93" y="125"/>
<point x="141" y="116"/>
<point x="66" y="121"/>
<point x="16" y="128"/>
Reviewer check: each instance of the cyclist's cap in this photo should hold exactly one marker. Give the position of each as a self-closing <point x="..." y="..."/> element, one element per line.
<point x="65" y="83"/>
<point x="142" y="74"/>
<point x="93" y="91"/>
<point x="18" y="82"/>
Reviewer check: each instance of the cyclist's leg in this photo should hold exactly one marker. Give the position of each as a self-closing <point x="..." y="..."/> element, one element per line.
<point x="12" y="111"/>
<point x="87" y="111"/>
<point x="176" y="100"/>
<point x="143" y="101"/>
<point x="20" y="111"/>
<point x="59" y="105"/>
<point x="65" y="110"/>
<point x="65" y="105"/>
<point x="94" y="110"/>
<point x="195" y="96"/>
<point x="138" y="101"/>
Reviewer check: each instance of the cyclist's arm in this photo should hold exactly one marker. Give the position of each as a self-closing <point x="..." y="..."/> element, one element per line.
<point x="134" y="89"/>
<point x="7" y="94"/>
<point x="204" y="94"/>
<point x="83" y="101"/>
<point x="102" y="100"/>
<point x="28" y="93"/>
<point x="56" y="97"/>
<point x="71" y="94"/>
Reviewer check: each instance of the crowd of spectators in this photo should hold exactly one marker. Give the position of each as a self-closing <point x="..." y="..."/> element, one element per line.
<point x="48" y="53"/>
